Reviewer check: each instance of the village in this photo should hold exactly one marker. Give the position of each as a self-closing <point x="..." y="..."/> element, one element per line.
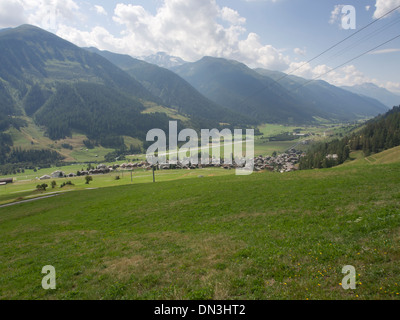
<point x="285" y="162"/>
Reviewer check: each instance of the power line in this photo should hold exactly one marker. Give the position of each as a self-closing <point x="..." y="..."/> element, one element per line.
<point x="367" y="37"/>
<point x="345" y="39"/>
<point x="319" y="55"/>
<point x="343" y="64"/>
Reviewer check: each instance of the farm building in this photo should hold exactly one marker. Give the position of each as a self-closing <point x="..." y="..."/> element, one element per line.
<point x="57" y="174"/>
<point x="6" y="181"/>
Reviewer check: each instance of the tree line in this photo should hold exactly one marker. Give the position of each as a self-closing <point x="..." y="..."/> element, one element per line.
<point x="377" y="135"/>
<point x="103" y="114"/>
<point x="326" y="155"/>
<point x="16" y="159"/>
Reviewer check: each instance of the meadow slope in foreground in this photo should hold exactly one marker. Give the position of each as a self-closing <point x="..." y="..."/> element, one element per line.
<point x="266" y="236"/>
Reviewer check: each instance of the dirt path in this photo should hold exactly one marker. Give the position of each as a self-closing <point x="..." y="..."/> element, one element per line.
<point x="30" y="200"/>
<point x="366" y="159"/>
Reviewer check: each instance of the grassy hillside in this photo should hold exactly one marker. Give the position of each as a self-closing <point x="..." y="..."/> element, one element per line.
<point x="385" y="157"/>
<point x="30" y="55"/>
<point x="388" y="156"/>
<point x="47" y="81"/>
<point x="265" y="236"/>
<point x="33" y="137"/>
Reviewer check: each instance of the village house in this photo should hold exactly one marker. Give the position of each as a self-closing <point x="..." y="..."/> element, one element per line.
<point x="6" y="181"/>
<point x="332" y="157"/>
<point x="57" y="174"/>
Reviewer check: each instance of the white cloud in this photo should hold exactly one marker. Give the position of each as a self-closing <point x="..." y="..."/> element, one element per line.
<point x="186" y="28"/>
<point x="384" y="6"/>
<point x="393" y="86"/>
<point x="232" y="16"/>
<point x="98" y="37"/>
<point x="253" y="53"/>
<point x="11" y="13"/>
<point x="300" y="52"/>
<point x="335" y="14"/>
<point x="50" y="13"/>
<point x="345" y="76"/>
<point x="100" y="10"/>
<point x="43" y="13"/>
<point x="189" y="29"/>
<point x="383" y="51"/>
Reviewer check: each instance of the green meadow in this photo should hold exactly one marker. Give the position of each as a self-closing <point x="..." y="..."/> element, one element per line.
<point x="24" y="187"/>
<point x="219" y="236"/>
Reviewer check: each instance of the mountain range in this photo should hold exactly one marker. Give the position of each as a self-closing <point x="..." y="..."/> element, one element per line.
<point x="373" y="91"/>
<point x="257" y="93"/>
<point x="164" y="60"/>
<point x="104" y="96"/>
<point x="370" y="90"/>
<point x="174" y="92"/>
<point x="328" y="98"/>
<point x="66" y="88"/>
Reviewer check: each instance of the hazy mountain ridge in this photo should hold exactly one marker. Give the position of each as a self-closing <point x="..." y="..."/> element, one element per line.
<point x="371" y="90"/>
<point x="235" y="86"/>
<point x="257" y="94"/>
<point x="327" y="98"/>
<point x="313" y="89"/>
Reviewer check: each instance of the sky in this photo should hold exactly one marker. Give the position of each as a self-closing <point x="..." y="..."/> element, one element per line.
<point x="281" y="35"/>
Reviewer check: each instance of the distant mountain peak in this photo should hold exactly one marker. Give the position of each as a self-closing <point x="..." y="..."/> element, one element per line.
<point x="27" y="28"/>
<point x="162" y="59"/>
<point x="371" y="90"/>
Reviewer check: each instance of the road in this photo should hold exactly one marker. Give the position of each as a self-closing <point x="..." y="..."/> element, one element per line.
<point x="30" y="200"/>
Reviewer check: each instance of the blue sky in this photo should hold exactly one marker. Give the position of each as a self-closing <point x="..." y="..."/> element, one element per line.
<point x="272" y="34"/>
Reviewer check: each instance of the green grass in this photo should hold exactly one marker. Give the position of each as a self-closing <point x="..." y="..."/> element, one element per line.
<point x="24" y="186"/>
<point x="268" y="147"/>
<point x="270" y="130"/>
<point x="172" y="113"/>
<point x="92" y="155"/>
<point x="388" y="156"/>
<point x="385" y="157"/>
<point x="32" y="133"/>
<point x="264" y="236"/>
<point x="33" y="137"/>
<point x="322" y="132"/>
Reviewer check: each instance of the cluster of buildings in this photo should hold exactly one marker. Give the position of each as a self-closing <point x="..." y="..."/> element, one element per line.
<point x="57" y="174"/>
<point x="284" y="162"/>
